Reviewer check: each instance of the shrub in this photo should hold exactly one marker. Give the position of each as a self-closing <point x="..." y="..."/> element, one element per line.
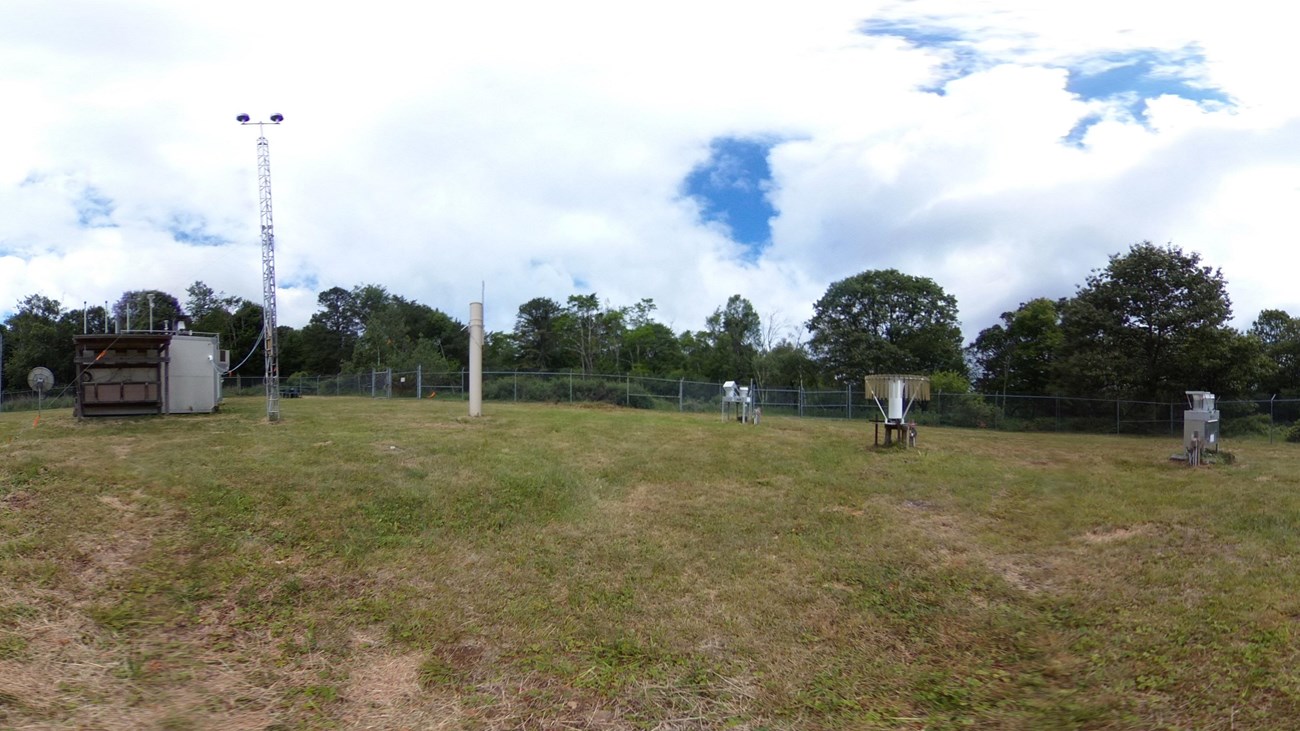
<point x="1293" y="434"/>
<point x="1253" y="424"/>
<point x="969" y="410"/>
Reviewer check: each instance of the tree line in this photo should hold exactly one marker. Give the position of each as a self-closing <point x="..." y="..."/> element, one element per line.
<point x="1150" y="324"/>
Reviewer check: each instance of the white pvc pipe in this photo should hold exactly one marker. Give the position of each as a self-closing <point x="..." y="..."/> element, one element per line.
<point x="896" y="400"/>
<point x="476" y="359"/>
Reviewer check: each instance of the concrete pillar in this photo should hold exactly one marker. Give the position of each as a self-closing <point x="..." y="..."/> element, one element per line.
<point x="476" y="359"/>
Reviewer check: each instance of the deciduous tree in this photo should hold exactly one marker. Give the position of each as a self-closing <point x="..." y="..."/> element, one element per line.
<point x="1150" y="325"/>
<point x="1279" y="336"/>
<point x="539" y="337"/>
<point x="38" y="334"/>
<point x="147" y="309"/>
<point x="885" y="321"/>
<point x="734" y="333"/>
<point x="1018" y="355"/>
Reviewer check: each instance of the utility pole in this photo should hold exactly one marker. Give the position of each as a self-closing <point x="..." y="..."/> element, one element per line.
<point x="269" y="349"/>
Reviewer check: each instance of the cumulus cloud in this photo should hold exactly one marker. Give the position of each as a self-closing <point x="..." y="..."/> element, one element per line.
<point x="527" y="149"/>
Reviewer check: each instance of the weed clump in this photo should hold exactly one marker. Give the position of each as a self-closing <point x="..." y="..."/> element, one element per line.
<point x="1293" y="434"/>
<point x="1222" y="456"/>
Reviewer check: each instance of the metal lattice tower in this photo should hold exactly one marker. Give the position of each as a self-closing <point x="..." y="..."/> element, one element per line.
<point x="270" y="350"/>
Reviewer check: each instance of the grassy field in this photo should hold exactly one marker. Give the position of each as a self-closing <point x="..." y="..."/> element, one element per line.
<point x="395" y="564"/>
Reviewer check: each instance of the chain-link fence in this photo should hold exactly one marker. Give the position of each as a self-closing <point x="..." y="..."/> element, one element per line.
<point x="1009" y="412"/>
<point x="25" y="400"/>
<point x="973" y="410"/>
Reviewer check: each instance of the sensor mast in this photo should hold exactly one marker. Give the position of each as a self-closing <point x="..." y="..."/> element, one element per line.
<point x="270" y="351"/>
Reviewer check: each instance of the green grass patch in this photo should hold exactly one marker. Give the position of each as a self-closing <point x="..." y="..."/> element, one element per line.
<point x="396" y="562"/>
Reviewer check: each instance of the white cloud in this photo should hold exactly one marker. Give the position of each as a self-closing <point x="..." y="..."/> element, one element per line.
<point x="539" y="149"/>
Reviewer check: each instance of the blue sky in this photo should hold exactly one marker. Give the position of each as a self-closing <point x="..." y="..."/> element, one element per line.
<point x="1130" y="77"/>
<point x="95" y="210"/>
<point x="1003" y="148"/>
<point x="732" y="187"/>
<point x="190" y="228"/>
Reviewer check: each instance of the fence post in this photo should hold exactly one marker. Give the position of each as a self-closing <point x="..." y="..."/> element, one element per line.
<point x="801" y="400"/>
<point x="1270" y="418"/>
<point x="628" y="378"/>
<point x="419" y="384"/>
<point x="1117" y="416"/>
<point x="1058" y="413"/>
<point x="570" y="386"/>
<point x="516" y="386"/>
<point x="849" y="401"/>
<point x="681" y="393"/>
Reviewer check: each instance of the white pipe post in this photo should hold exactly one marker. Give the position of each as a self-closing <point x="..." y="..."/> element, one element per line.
<point x="476" y="359"/>
<point x="896" y="401"/>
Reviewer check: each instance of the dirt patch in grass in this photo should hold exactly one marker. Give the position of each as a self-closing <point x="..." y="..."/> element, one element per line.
<point x="1113" y="535"/>
<point x="383" y="691"/>
<point x="18" y="500"/>
<point x="954" y="541"/>
<point x="74" y="675"/>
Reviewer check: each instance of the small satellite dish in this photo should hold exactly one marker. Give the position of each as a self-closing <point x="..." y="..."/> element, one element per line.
<point x="40" y="379"/>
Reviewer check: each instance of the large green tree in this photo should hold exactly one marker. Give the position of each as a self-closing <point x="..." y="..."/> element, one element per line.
<point x="1149" y="326"/>
<point x="1279" y="336"/>
<point x="885" y="321"/>
<point x="433" y="331"/>
<point x="202" y="300"/>
<point x="500" y="351"/>
<point x="332" y="333"/>
<point x="209" y="310"/>
<point x="401" y="334"/>
<point x="1018" y="355"/>
<point x="786" y="364"/>
<point x="292" y="355"/>
<point x="38" y="333"/>
<point x="539" y="336"/>
<point x="243" y="338"/>
<point x="654" y="350"/>
<point x="91" y="319"/>
<point x="593" y="333"/>
<point x="147" y="309"/>
<point x="384" y="342"/>
<point x="734" y="335"/>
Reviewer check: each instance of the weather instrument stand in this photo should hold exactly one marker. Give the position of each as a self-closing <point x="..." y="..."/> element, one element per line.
<point x="40" y="380"/>
<point x="899" y="392"/>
